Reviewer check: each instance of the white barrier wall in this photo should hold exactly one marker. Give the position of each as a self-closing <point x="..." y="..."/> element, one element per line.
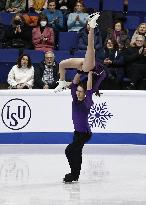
<point x="41" y="116"/>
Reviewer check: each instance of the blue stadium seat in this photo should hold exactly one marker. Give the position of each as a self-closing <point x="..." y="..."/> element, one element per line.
<point x="145" y="19"/>
<point x="8" y="55"/>
<point x="113" y="5"/>
<point x="137" y="5"/>
<point x="79" y="54"/>
<point x="94" y="4"/>
<point x="132" y="22"/>
<point x="70" y="73"/>
<point x="8" y="58"/>
<point x="61" y="55"/>
<point x="36" y="56"/>
<point x="68" y="40"/>
<point x="6" y="18"/>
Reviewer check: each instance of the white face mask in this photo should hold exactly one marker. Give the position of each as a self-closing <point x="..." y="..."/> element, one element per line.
<point x="43" y="23"/>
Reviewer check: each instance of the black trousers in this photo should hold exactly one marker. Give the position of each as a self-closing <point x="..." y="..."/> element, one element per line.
<point x="73" y="151"/>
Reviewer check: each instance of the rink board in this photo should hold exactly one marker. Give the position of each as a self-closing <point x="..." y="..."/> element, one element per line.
<point x="43" y="117"/>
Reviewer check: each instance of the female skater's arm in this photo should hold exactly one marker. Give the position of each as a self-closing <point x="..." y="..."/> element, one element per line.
<point x="89" y="82"/>
<point x="88" y="99"/>
<point x="76" y="79"/>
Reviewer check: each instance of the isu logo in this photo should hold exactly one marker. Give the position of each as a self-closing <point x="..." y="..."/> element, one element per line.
<point x="16" y="114"/>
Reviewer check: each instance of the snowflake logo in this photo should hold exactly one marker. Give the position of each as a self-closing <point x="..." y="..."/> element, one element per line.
<point x="99" y="115"/>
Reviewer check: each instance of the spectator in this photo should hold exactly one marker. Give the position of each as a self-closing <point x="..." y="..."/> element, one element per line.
<point x="21" y="76"/>
<point x="15" y="6"/>
<point x="19" y="35"/>
<point x="77" y="19"/>
<point x="37" y="5"/>
<point x="118" y="33"/>
<point x="114" y="61"/>
<point x="46" y="73"/>
<point x="83" y="40"/>
<point x="2" y="5"/>
<point x="141" y="30"/>
<point x="43" y="36"/>
<point x="110" y="48"/>
<point x="135" y="59"/>
<point x="55" y="17"/>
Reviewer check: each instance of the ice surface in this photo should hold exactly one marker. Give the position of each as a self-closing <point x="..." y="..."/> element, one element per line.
<point x="111" y="175"/>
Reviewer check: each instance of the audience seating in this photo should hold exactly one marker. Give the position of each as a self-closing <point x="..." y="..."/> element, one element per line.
<point x="68" y="40"/>
<point x="113" y="5"/>
<point x="136" y="5"/>
<point x="61" y="55"/>
<point x="36" y="56"/>
<point x="94" y="4"/>
<point x="132" y="22"/>
<point x="8" y="58"/>
<point x="79" y="54"/>
<point x="6" y="18"/>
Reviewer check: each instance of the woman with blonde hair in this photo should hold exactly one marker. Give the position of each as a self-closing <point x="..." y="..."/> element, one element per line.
<point x="141" y="30"/>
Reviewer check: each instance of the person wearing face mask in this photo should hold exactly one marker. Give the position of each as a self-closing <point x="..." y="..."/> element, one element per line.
<point x="19" y="35"/>
<point x="43" y="36"/>
<point x="21" y="76"/>
<point x="46" y="73"/>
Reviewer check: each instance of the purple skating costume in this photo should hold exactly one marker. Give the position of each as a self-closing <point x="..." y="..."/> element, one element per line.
<point x="99" y="75"/>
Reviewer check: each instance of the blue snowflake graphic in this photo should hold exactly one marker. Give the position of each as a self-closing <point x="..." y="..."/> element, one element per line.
<point x="99" y="115"/>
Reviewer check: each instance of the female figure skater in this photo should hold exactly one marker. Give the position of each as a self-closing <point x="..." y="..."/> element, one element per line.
<point x="82" y="64"/>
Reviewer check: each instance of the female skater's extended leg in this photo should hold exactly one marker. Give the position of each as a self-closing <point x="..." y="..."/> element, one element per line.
<point x="89" y="60"/>
<point x="86" y="64"/>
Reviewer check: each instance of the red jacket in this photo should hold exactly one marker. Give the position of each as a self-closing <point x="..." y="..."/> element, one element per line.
<point x="39" y="43"/>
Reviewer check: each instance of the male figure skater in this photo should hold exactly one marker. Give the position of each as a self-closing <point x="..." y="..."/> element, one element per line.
<point x="81" y="104"/>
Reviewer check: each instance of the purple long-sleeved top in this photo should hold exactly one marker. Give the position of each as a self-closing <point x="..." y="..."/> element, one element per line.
<point x="80" y="110"/>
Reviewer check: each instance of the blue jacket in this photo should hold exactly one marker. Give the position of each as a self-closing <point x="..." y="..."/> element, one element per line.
<point x="74" y="25"/>
<point x="55" y="19"/>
